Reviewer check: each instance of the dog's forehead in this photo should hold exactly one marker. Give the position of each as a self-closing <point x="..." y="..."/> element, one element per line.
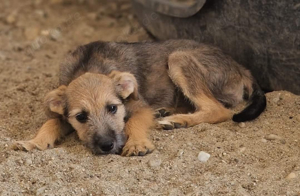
<point x="90" y="82"/>
<point x="91" y="90"/>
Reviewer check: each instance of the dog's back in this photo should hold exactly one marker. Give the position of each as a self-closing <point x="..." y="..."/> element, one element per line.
<point x="228" y="81"/>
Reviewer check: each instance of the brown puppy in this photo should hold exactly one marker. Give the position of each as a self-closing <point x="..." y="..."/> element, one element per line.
<point x="108" y="91"/>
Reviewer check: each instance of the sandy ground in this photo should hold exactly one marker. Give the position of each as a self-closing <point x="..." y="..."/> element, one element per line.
<point x="253" y="158"/>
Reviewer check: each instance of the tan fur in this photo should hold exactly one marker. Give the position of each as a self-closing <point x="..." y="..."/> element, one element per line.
<point x="208" y="109"/>
<point x="137" y="129"/>
<point x="46" y="137"/>
<point x="110" y="93"/>
<point x="83" y="93"/>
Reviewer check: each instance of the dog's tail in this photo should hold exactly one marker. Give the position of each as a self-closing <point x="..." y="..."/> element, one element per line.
<point x="257" y="105"/>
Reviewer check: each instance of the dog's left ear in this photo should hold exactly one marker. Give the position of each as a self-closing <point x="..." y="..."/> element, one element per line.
<point x="55" y="102"/>
<point x="126" y="84"/>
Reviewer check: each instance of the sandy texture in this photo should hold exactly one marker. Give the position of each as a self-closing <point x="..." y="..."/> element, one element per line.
<point x="254" y="158"/>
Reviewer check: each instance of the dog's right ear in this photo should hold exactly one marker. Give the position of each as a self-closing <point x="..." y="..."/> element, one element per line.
<point x="126" y="84"/>
<point x="55" y="102"/>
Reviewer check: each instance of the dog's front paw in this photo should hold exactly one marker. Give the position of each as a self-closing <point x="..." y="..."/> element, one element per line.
<point x="30" y="145"/>
<point x="137" y="147"/>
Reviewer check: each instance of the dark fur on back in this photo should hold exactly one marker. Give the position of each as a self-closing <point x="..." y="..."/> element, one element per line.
<point x="148" y="61"/>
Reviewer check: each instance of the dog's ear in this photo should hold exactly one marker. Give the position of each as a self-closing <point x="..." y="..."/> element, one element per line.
<point x="126" y="84"/>
<point x="55" y="102"/>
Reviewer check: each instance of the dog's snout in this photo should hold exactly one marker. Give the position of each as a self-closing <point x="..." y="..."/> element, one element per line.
<point x="106" y="146"/>
<point x="104" y="142"/>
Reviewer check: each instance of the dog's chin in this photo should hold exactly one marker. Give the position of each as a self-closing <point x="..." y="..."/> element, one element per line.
<point x="116" y="150"/>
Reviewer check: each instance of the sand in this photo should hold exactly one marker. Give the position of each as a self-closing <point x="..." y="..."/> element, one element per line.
<point x="253" y="158"/>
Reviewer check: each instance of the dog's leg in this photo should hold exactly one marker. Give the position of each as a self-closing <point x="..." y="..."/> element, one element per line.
<point x="186" y="73"/>
<point x="168" y="111"/>
<point x="163" y="112"/>
<point x="49" y="133"/>
<point x="137" y="128"/>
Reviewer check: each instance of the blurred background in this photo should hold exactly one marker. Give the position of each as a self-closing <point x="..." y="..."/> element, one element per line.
<point x="264" y="36"/>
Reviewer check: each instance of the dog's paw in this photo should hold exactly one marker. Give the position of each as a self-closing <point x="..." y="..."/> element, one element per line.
<point x="137" y="147"/>
<point x="30" y="145"/>
<point x="170" y="123"/>
<point x="163" y="112"/>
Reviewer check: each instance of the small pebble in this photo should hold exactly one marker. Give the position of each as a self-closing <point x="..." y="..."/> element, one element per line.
<point x="41" y="190"/>
<point x="45" y="32"/>
<point x="154" y="163"/>
<point x="291" y="176"/>
<point x="10" y="19"/>
<point x="272" y="137"/>
<point x="263" y="140"/>
<point x="242" y="149"/>
<point x="242" y="125"/>
<point x="277" y="98"/>
<point x="180" y="153"/>
<point x="55" y="34"/>
<point x="203" y="156"/>
<point x="40" y="13"/>
<point x="28" y="162"/>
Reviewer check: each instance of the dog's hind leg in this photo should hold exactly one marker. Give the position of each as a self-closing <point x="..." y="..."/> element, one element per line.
<point x="187" y="74"/>
<point x="51" y="131"/>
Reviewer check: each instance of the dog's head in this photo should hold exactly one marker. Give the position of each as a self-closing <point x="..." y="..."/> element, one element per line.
<point x="92" y="104"/>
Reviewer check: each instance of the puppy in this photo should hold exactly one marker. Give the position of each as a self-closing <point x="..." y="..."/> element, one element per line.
<point x="110" y="93"/>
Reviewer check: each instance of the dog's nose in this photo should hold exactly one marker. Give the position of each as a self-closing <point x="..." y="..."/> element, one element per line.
<point x="107" y="146"/>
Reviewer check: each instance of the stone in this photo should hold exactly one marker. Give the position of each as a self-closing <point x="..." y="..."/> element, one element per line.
<point x="180" y="153"/>
<point x="272" y="137"/>
<point x="41" y="190"/>
<point x="28" y="162"/>
<point x="11" y="18"/>
<point x="154" y="163"/>
<point x="291" y="175"/>
<point x="203" y="156"/>
<point x="55" y="34"/>
<point x="263" y="140"/>
<point x="242" y="125"/>
<point x="41" y="13"/>
<point x="242" y="149"/>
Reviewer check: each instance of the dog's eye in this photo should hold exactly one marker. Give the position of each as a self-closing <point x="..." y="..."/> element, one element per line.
<point x="112" y="109"/>
<point x="82" y="117"/>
